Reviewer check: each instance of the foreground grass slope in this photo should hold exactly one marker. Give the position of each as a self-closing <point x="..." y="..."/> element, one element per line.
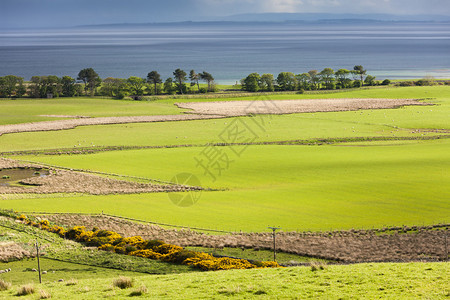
<point x="368" y="281"/>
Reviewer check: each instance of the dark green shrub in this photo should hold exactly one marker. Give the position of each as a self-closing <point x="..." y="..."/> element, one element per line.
<point x="153" y="244"/>
<point x="386" y="82"/>
<point x="357" y="84"/>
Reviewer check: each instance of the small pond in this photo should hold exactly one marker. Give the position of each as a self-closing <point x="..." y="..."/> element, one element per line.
<point x="13" y="175"/>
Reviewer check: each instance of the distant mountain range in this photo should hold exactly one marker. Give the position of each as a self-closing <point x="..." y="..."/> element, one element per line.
<point x="286" y="18"/>
<point x="314" y="17"/>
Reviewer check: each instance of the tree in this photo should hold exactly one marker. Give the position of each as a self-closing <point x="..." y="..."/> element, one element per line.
<point x="267" y="82"/>
<point x="114" y="87"/>
<point x="286" y="81"/>
<point x="90" y="79"/>
<point x="341" y="78"/>
<point x="360" y="72"/>
<point x="168" y="86"/>
<point x="42" y="86"/>
<point x="251" y="82"/>
<point x="180" y="78"/>
<point x="68" y="86"/>
<point x="154" y="78"/>
<point x="370" y="80"/>
<point x="136" y="86"/>
<point x="303" y="81"/>
<point x="194" y="77"/>
<point x="314" y="79"/>
<point x="205" y="76"/>
<point x="11" y="85"/>
<point x="326" y="75"/>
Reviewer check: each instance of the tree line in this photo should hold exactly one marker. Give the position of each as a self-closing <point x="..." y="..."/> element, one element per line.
<point x="327" y="79"/>
<point x="88" y="82"/>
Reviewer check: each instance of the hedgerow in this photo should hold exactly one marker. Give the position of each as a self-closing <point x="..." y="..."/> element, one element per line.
<point x="153" y="249"/>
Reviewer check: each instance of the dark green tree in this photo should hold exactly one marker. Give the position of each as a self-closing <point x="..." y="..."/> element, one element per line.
<point x="168" y="86"/>
<point x="208" y="78"/>
<point x="154" y="78"/>
<point x="180" y="78"/>
<point x="194" y="77"/>
<point x="42" y="86"/>
<point x="114" y="87"/>
<point x="90" y="79"/>
<point x="68" y="86"/>
<point x="360" y="72"/>
<point x="370" y="80"/>
<point x="136" y="86"/>
<point x="266" y="82"/>
<point x="314" y="79"/>
<point x="251" y="82"/>
<point x="326" y="76"/>
<point x="303" y="81"/>
<point x="11" y="85"/>
<point x="286" y="81"/>
<point x="342" y="79"/>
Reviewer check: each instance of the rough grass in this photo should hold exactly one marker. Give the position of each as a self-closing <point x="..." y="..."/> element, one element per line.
<point x="4" y="285"/>
<point x="368" y="281"/>
<point x="26" y="289"/>
<point x="123" y="282"/>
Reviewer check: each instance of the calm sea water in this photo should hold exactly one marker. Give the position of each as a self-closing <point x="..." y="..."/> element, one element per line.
<point x="230" y="52"/>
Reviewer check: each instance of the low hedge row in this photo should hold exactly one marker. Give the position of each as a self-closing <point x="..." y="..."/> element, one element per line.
<point x="154" y="249"/>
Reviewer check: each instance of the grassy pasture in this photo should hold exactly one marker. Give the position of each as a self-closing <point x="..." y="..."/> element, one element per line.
<point x="21" y="271"/>
<point x="370" y="281"/>
<point x="30" y="110"/>
<point x="365" y="123"/>
<point x="296" y="187"/>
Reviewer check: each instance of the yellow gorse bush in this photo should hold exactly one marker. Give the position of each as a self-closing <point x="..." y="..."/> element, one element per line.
<point x="137" y="246"/>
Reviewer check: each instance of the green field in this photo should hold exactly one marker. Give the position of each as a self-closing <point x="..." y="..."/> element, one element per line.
<point x="298" y="187"/>
<point x="368" y="281"/>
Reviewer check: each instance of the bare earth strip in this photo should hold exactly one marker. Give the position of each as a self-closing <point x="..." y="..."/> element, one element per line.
<point x="72" y="123"/>
<point x="221" y="109"/>
<point x="65" y="181"/>
<point x="390" y="244"/>
<point x="239" y="108"/>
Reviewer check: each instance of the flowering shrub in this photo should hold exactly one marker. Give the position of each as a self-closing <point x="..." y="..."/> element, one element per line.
<point x="154" y="249"/>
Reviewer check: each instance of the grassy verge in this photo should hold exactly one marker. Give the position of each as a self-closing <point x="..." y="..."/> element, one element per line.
<point x="368" y="281"/>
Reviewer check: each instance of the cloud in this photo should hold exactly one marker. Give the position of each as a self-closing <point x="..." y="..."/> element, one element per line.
<point x="225" y="7"/>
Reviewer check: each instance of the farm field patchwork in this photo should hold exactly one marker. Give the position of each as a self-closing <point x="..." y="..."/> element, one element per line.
<point x="296" y="187"/>
<point x="364" y="184"/>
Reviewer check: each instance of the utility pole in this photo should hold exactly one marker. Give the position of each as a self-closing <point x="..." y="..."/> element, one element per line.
<point x="274" y="229"/>
<point x="39" y="265"/>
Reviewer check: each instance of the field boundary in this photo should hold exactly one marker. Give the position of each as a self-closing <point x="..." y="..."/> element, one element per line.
<point x="318" y="141"/>
<point x="128" y="219"/>
<point x="436" y="224"/>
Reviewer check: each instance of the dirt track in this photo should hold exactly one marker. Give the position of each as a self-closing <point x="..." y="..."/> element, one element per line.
<point x="73" y="123"/>
<point x="239" y="108"/>
<point x="220" y="109"/>
<point x="65" y="181"/>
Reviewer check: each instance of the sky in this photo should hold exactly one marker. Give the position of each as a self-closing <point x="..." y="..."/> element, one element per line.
<point x="52" y="13"/>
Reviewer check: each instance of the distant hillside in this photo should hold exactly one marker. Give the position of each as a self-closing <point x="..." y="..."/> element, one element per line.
<point x="280" y="17"/>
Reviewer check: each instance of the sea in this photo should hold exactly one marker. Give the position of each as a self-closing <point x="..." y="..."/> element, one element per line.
<point x="230" y="51"/>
